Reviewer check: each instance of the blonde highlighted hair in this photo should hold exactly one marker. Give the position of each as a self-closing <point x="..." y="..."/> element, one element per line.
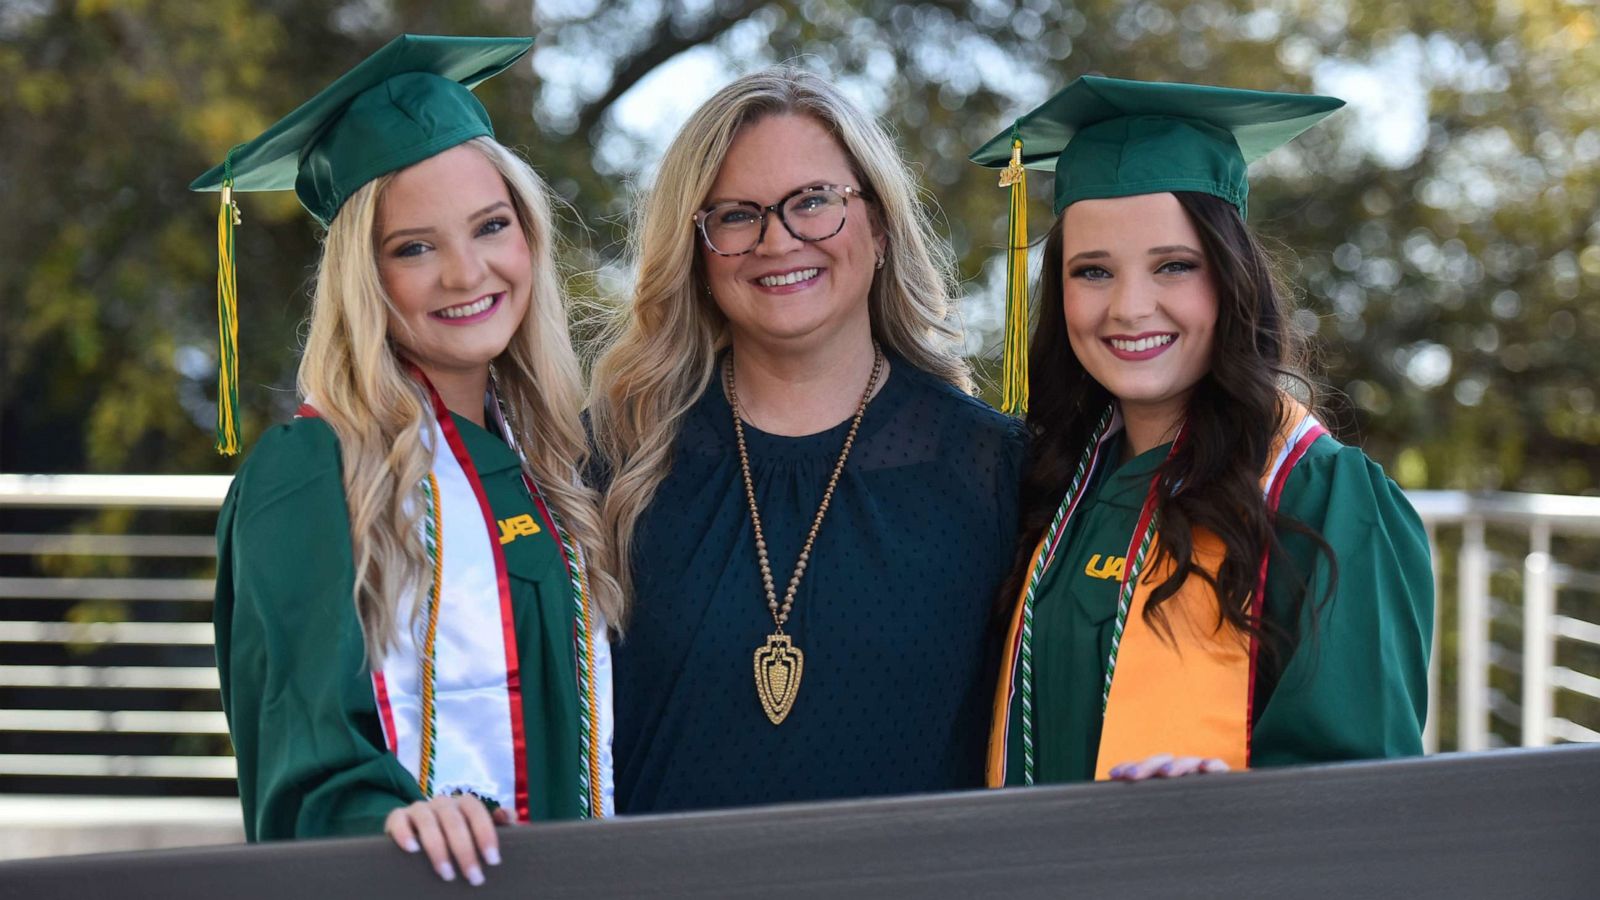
<point x="666" y="340"/>
<point x="351" y="372"/>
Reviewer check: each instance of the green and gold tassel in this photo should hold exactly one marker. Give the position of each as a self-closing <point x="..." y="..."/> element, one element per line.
<point x="227" y="320"/>
<point x="1014" y="359"/>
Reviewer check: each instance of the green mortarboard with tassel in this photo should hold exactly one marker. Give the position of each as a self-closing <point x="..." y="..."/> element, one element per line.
<point x="408" y="101"/>
<point x="1110" y="137"/>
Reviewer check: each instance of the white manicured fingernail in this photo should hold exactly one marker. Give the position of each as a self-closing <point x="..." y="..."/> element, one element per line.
<point x="447" y="871"/>
<point x="474" y="876"/>
<point x="411" y="846"/>
<point x="491" y="855"/>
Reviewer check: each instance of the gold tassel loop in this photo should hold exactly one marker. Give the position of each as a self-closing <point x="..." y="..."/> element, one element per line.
<point x="227" y="320"/>
<point x="1014" y="358"/>
<point x="1014" y="173"/>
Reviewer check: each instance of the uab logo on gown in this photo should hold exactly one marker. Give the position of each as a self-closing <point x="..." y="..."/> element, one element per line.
<point x="517" y="526"/>
<point x="1100" y="566"/>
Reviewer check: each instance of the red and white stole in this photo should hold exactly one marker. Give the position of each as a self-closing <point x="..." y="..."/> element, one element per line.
<point x="477" y="744"/>
<point x="476" y="737"/>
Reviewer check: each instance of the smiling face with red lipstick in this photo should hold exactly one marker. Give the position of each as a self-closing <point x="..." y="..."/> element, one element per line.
<point x="1140" y="304"/>
<point x="789" y="292"/>
<point x="455" y="264"/>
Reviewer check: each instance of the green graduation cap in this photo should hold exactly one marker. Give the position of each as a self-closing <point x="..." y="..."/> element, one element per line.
<point x="408" y="101"/>
<point x="1111" y="137"/>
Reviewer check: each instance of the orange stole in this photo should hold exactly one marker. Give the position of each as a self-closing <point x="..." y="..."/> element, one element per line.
<point x="1188" y="694"/>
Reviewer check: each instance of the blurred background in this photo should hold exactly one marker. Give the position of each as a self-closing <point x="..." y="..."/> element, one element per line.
<point x="1442" y="234"/>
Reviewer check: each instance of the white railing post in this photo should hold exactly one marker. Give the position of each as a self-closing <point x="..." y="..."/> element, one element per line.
<point x="1538" y="641"/>
<point x="1472" y="677"/>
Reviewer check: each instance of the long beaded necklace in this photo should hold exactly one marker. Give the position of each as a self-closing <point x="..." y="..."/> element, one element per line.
<point x="1138" y="552"/>
<point x="779" y="664"/>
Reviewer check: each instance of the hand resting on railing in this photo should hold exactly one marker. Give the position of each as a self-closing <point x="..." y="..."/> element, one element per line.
<point x="1165" y="765"/>
<point x="456" y="825"/>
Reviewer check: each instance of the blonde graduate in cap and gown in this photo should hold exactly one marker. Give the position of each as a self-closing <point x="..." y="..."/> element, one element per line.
<point x="1206" y="579"/>
<point x="411" y="597"/>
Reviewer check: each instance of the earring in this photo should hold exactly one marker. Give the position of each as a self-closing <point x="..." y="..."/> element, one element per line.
<point x="880" y="261"/>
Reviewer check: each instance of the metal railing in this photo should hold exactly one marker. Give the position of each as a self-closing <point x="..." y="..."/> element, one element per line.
<point x="1494" y="529"/>
<point x="106" y="677"/>
<point x="107" y="680"/>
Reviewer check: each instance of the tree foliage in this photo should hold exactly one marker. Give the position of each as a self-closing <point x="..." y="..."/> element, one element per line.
<point x="1444" y="240"/>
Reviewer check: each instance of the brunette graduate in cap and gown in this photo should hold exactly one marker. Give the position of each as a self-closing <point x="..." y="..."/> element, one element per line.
<point x="411" y="600"/>
<point x="1206" y="578"/>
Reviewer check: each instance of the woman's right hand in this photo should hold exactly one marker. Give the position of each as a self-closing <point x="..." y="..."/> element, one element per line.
<point x="457" y="825"/>
<point x="1165" y="765"/>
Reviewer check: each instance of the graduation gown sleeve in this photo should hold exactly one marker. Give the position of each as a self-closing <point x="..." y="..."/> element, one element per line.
<point x="1356" y="686"/>
<point x="298" y="697"/>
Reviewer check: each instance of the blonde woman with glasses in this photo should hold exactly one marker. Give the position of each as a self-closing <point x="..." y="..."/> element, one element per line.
<point x="411" y="595"/>
<point x="814" y="510"/>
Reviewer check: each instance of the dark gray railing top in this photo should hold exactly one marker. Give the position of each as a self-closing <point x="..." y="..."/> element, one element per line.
<point x="1513" y="823"/>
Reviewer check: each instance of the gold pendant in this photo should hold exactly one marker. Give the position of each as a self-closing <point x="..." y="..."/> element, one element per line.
<point x="778" y="668"/>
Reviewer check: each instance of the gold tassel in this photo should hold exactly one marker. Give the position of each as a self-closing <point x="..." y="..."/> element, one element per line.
<point x="1014" y="358"/>
<point x="227" y="323"/>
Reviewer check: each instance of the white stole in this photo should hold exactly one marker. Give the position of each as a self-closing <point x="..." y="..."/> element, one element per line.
<point x="478" y="744"/>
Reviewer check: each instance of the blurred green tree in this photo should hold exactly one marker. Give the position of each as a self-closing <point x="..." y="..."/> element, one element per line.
<point x="1444" y="234"/>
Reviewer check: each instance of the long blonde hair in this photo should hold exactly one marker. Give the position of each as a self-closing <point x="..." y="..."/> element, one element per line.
<point x="667" y="338"/>
<point x="361" y="388"/>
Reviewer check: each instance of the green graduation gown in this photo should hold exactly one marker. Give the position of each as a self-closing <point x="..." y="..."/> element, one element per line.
<point x="1354" y="686"/>
<point x="296" y="687"/>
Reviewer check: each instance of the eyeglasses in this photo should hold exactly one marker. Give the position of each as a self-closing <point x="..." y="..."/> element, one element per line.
<point x="813" y="213"/>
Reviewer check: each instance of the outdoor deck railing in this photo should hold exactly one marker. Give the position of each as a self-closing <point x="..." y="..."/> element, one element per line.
<point x="107" y="683"/>
<point x="107" y="679"/>
<point x="1556" y="702"/>
<point x="1519" y="823"/>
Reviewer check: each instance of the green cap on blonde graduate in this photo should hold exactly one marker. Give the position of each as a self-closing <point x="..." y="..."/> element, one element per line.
<point x="406" y="102"/>
<point x="410" y="100"/>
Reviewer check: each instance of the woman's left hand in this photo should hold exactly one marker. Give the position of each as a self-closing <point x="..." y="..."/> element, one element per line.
<point x="1165" y="765"/>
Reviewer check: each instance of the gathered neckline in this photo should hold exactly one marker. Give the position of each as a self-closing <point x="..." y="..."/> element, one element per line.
<point x="825" y="444"/>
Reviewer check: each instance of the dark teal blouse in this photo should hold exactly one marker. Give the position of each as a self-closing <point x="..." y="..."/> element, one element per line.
<point x="891" y="613"/>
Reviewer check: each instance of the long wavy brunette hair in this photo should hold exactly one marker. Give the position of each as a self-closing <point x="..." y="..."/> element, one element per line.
<point x="1257" y="360"/>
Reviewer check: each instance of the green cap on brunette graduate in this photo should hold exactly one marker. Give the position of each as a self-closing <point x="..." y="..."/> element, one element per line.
<point x="1110" y="137"/>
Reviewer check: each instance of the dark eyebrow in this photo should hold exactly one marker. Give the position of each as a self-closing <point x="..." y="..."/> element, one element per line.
<point x="413" y="232"/>
<point x="803" y="186"/>
<point x="488" y="209"/>
<point x="1089" y="254"/>
<point x="1174" y="248"/>
<point x="405" y="232"/>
